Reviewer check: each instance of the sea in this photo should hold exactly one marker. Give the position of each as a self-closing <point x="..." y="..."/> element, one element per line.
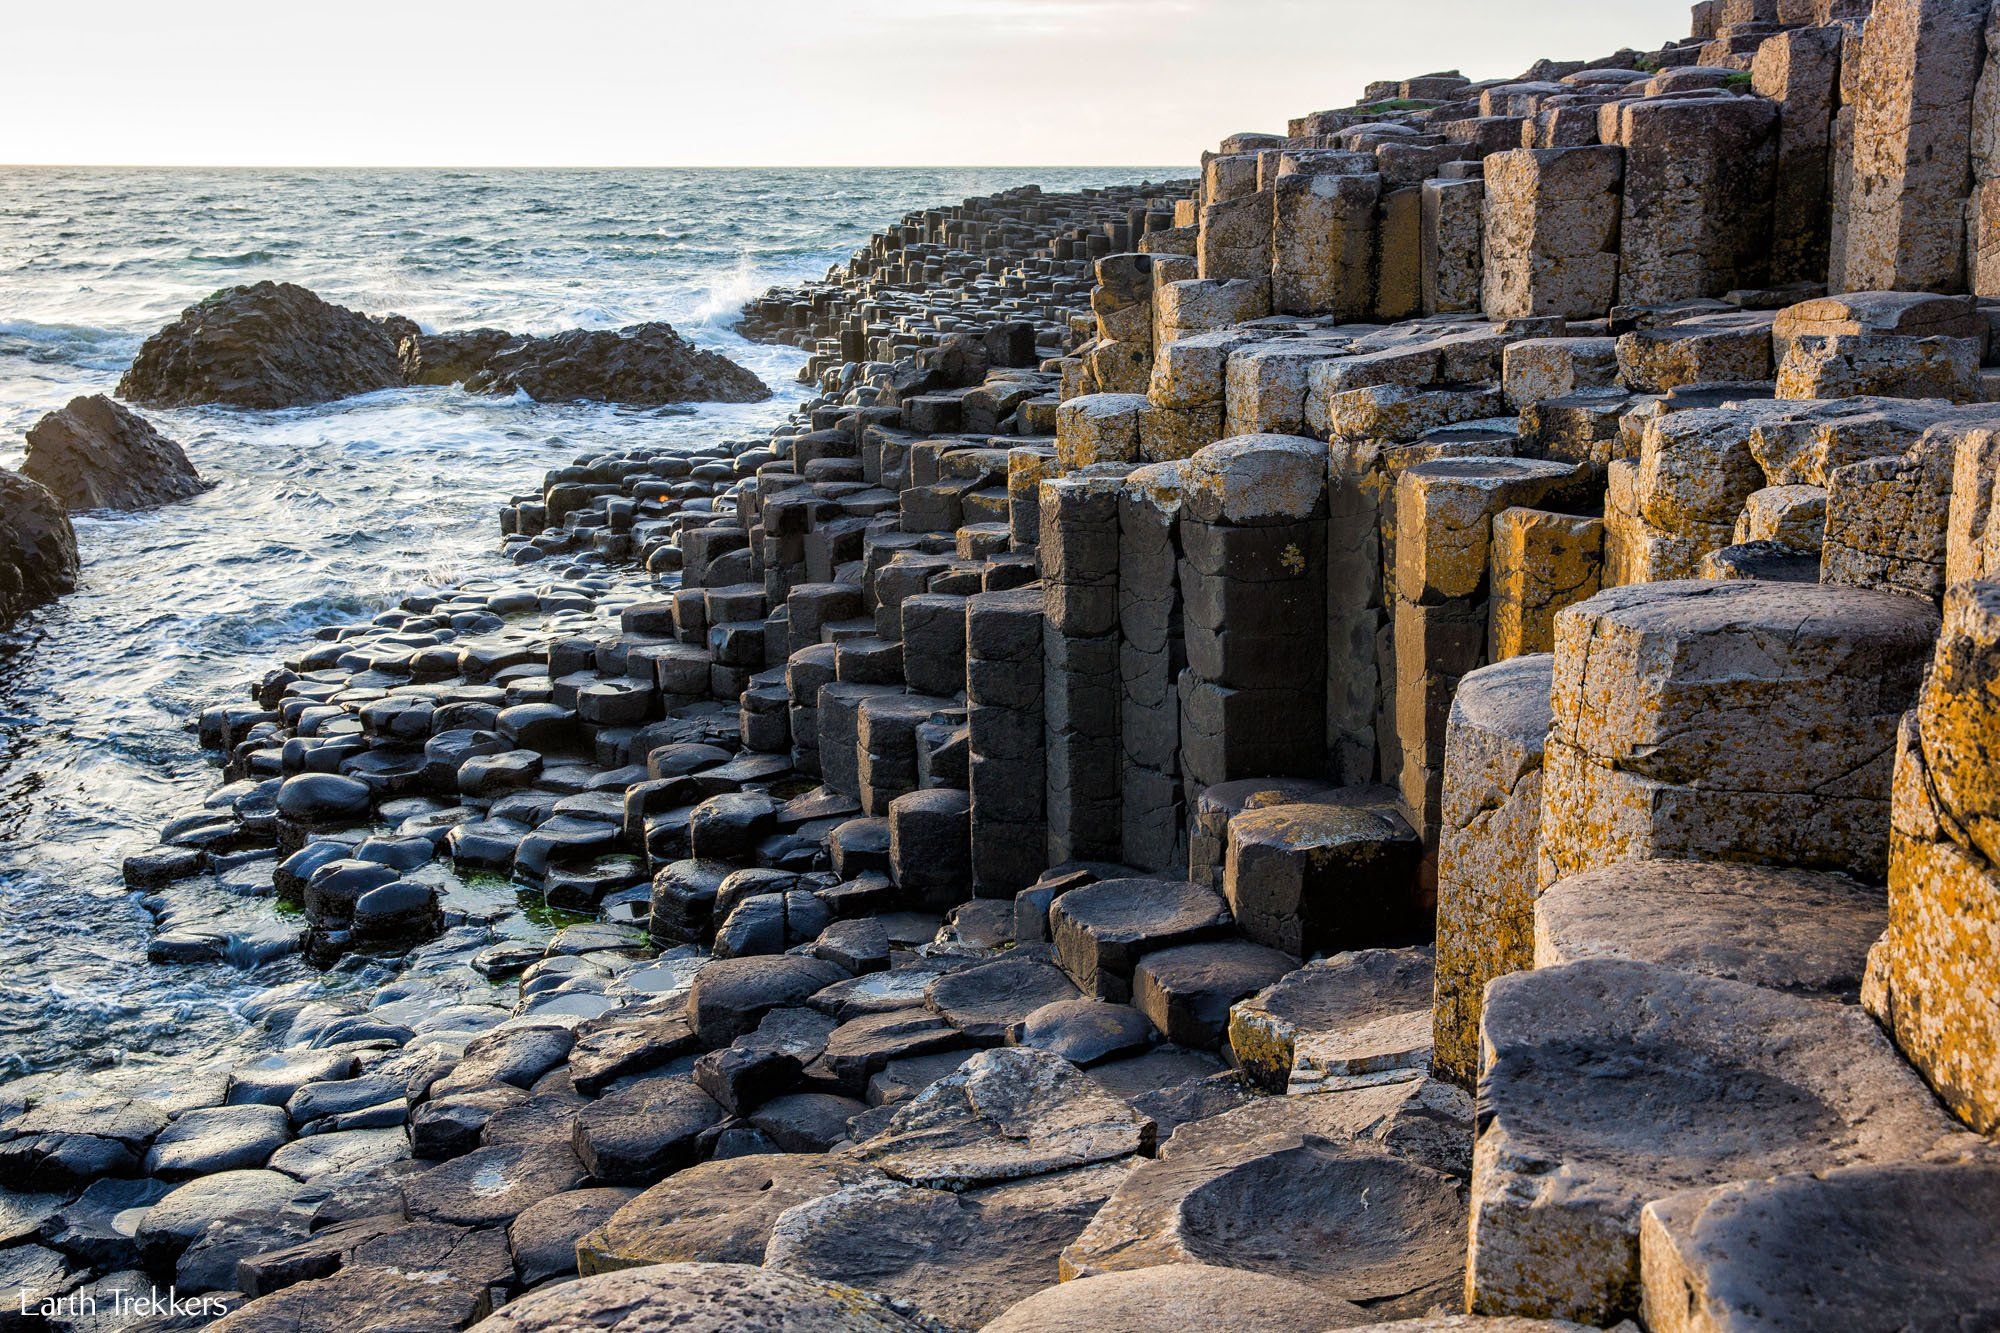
<point x="323" y="514"/>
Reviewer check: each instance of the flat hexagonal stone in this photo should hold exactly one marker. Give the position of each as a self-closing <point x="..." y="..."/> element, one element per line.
<point x="1793" y="930"/>
<point x="1002" y="1115"/>
<point x="514" y="1056"/>
<point x="1477" y="1323"/>
<point x="1187" y="991"/>
<point x="218" y="1138"/>
<point x="22" y="1215"/>
<point x="346" y="1150"/>
<point x="1426" y="1120"/>
<point x="173" y="1223"/>
<point x="1357" y="1224"/>
<point x="362" y="1296"/>
<point x="1360" y="1015"/>
<point x="544" y="1237"/>
<point x="732" y="995"/>
<point x="471" y="1258"/>
<point x="699" y="1298"/>
<point x="1086" y="1032"/>
<point x="100" y="1226"/>
<point x="1858" y="1247"/>
<point x="1181" y="1296"/>
<point x="492" y="1186"/>
<point x="61" y="1143"/>
<point x="612" y="1048"/>
<point x="984" y="1002"/>
<point x="1610" y="1084"/>
<point x="957" y="1258"/>
<point x="863" y="1047"/>
<point x="1102" y="930"/>
<point x="639" y="1133"/>
<point x="32" y="1274"/>
<point x="714" y="1212"/>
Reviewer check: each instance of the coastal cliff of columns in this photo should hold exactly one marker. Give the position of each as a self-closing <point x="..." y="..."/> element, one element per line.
<point x="1402" y="732"/>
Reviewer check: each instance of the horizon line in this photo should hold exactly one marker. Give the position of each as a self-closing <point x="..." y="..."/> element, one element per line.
<point x="577" y="166"/>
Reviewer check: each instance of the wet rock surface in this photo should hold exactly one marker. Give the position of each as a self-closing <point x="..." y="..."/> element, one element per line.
<point x="270" y="344"/>
<point x="97" y="454"/>
<point x="646" y="365"/>
<point x="38" y="556"/>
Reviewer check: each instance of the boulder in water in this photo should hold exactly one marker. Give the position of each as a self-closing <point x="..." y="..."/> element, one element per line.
<point x="450" y="358"/>
<point x="38" y="560"/>
<point x="646" y="365"/>
<point x="272" y="344"/>
<point x="99" y="454"/>
<point x="275" y="344"/>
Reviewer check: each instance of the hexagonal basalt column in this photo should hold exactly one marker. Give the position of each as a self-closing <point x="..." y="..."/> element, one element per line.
<point x="1253" y="580"/>
<point x="1738" y="721"/>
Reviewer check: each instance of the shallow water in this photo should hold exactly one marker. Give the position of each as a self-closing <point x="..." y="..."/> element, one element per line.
<point x="318" y="514"/>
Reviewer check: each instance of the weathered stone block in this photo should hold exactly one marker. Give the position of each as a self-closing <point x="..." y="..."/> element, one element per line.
<point x="1492" y="814"/>
<point x="1235" y="239"/>
<point x="1790" y="930"/>
<point x="1316" y="878"/>
<point x="1912" y="91"/>
<point x="1713" y="349"/>
<point x="1698" y="188"/>
<point x="1444" y="520"/>
<point x="1793" y="516"/>
<point x="1353" y="1019"/>
<point x="1684" y="736"/>
<point x="1099" y="428"/>
<point x="1323" y="252"/>
<point x="1542" y="563"/>
<point x="1537" y="369"/>
<point x="1183" y="309"/>
<point x="1832" y="1249"/>
<point x="1454" y="255"/>
<point x="1886" y="520"/>
<point x="1799" y="70"/>
<point x="1551" y="243"/>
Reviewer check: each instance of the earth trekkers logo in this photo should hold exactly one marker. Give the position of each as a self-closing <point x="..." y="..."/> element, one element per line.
<point x="151" y="1303"/>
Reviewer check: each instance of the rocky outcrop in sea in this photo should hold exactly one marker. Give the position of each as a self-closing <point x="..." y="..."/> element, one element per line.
<point x="274" y="345"/>
<point x="97" y="454"/>
<point x="38" y="558"/>
<point x="268" y="345"/>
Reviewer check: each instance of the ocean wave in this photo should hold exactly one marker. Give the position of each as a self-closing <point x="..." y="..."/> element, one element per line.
<point x="244" y="259"/>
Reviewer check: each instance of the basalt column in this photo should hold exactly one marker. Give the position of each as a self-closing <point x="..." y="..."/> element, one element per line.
<point x="1080" y="662"/>
<point x="1005" y="767"/>
<point x="1253" y="588"/>
<point x="1152" y="653"/>
<point x="1931" y="977"/>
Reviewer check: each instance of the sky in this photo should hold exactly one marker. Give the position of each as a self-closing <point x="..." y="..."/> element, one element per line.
<point x="736" y="82"/>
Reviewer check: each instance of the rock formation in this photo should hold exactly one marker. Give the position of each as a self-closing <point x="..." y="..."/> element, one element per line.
<point x="279" y="345"/>
<point x="644" y="366"/>
<point x="98" y="454"/>
<point x="38" y="559"/>
<point x="271" y="344"/>
<point x="1217" y="673"/>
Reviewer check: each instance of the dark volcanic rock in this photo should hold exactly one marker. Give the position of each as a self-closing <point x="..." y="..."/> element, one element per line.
<point x="98" y="454"/>
<point x="644" y="366"/>
<point x="38" y="560"/>
<point x="273" y="344"/>
<point x="449" y="358"/>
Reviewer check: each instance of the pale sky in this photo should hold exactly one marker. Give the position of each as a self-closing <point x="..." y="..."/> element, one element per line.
<point x="736" y="82"/>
